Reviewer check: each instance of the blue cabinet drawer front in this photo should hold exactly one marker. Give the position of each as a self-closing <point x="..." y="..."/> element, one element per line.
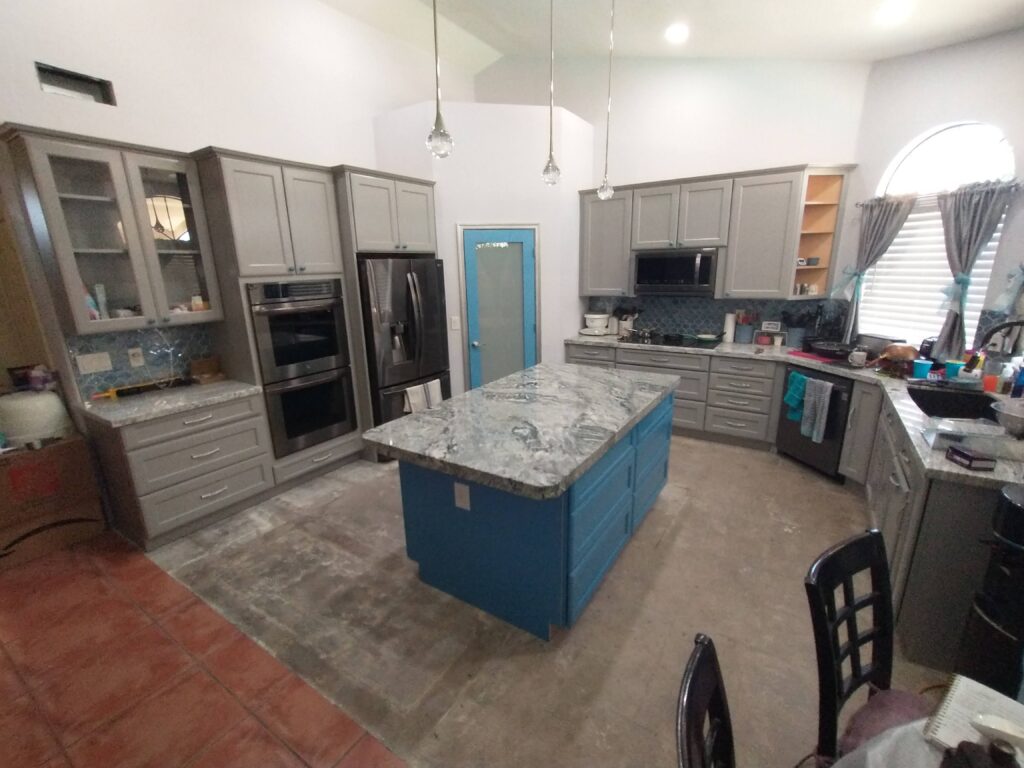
<point x="651" y="448"/>
<point x="648" y="486"/>
<point x="594" y="476"/>
<point x="662" y="412"/>
<point x="586" y="519"/>
<point x="586" y="576"/>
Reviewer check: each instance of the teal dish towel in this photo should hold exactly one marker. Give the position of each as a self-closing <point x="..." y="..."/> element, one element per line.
<point x="794" y="397"/>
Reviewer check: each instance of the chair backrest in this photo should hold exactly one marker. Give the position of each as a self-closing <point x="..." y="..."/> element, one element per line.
<point x="853" y="633"/>
<point x="703" y="726"/>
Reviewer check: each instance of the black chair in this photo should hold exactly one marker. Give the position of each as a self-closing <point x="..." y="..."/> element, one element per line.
<point x="703" y="727"/>
<point x="853" y="638"/>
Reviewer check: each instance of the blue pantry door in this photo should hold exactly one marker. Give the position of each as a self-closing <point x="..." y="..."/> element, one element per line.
<point x="501" y="302"/>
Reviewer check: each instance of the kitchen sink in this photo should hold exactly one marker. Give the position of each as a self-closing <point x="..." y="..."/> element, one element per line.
<point x="948" y="402"/>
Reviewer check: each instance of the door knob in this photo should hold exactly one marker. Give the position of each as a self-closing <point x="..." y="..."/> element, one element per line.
<point x="474" y="343"/>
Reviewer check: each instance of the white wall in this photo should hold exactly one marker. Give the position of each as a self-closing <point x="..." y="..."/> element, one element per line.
<point x="908" y="95"/>
<point x="493" y="178"/>
<point x="687" y="117"/>
<point x="294" y="79"/>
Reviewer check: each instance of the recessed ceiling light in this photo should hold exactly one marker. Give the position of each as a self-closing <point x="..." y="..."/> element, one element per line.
<point x="891" y="13"/>
<point x="677" y="33"/>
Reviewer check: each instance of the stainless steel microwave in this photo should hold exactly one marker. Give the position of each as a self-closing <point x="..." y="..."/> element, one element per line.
<point x="677" y="272"/>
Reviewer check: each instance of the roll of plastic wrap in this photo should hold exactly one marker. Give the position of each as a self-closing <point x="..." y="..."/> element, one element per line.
<point x="730" y="328"/>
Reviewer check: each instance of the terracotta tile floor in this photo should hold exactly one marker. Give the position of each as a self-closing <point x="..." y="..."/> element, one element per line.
<point x="105" y="660"/>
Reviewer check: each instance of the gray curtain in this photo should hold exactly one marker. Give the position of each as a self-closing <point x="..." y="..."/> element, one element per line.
<point x="881" y="219"/>
<point x="970" y="216"/>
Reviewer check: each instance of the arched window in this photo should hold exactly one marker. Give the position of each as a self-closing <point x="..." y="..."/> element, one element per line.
<point x="902" y="294"/>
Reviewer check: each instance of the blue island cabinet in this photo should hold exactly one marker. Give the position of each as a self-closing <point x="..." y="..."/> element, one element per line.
<point x="535" y="562"/>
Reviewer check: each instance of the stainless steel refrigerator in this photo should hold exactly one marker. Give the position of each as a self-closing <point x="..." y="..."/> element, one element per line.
<point x="406" y="335"/>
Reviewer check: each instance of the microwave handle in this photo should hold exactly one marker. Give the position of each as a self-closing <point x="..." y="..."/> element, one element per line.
<point x="696" y="269"/>
<point x="633" y="264"/>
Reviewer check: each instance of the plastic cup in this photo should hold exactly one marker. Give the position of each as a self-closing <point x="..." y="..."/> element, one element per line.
<point x="990" y="382"/>
<point x="953" y="368"/>
<point x="922" y="368"/>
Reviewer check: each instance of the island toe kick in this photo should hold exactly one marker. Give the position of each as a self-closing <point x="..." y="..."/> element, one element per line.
<point x="535" y="562"/>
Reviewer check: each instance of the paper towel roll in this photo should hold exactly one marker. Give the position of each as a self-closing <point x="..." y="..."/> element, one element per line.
<point x="730" y="328"/>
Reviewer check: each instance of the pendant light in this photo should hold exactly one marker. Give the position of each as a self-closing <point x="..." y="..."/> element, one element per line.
<point x="605" y="191"/>
<point x="439" y="141"/>
<point x="551" y="173"/>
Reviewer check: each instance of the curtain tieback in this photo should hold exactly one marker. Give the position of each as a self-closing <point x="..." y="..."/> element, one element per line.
<point x="956" y="293"/>
<point x="851" y="276"/>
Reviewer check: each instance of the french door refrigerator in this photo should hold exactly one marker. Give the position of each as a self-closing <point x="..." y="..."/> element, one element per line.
<point x="406" y="336"/>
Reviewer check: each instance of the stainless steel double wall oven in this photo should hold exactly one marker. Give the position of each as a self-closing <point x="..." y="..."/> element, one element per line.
<point x="304" y="358"/>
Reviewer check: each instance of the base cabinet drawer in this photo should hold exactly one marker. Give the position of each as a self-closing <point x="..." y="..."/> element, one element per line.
<point x="188" y="423"/>
<point x="586" y="576"/>
<point x="175" y="461"/>
<point x="753" y="426"/>
<point x="688" y="414"/>
<point x="328" y="453"/>
<point x="170" y="508"/>
<point x="692" y="385"/>
<point x="588" y="514"/>
<point x="587" y="352"/>
<point x="735" y="401"/>
<point x="748" y="386"/>
<point x="591" y="363"/>
<point x="742" y="367"/>
<point x="678" y="360"/>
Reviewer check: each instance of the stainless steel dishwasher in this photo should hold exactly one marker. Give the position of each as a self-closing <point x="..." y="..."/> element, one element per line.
<point x="823" y="456"/>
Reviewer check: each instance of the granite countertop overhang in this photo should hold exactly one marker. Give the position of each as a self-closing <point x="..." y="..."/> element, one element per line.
<point x="912" y="420"/>
<point x="533" y="433"/>
<point x="134" y="409"/>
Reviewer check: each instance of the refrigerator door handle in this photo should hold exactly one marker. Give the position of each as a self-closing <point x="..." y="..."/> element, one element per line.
<point x="417" y="306"/>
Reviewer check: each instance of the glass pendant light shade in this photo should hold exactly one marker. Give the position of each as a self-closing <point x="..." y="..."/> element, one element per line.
<point x="439" y="141"/>
<point x="551" y="173"/>
<point x="606" y="190"/>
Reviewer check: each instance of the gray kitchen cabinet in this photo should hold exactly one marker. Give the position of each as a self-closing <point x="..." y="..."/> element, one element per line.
<point x="605" y="227"/>
<point x="655" y="217"/>
<point x="312" y="220"/>
<point x="575" y="353"/>
<point x="764" y="228"/>
<point x="390" y="215"/>
<point x="704" y="213"/>
<point x="742" y="398"/>
<point x="861" y="427"/>
<point x="258" y="213"/>
<point x="122" y="235"/>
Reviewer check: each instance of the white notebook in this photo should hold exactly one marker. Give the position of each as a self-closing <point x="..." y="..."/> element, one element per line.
<point x="966" y="698"/>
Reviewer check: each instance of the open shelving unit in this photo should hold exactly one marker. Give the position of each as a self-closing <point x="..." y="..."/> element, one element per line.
<point x="817" y="233"/>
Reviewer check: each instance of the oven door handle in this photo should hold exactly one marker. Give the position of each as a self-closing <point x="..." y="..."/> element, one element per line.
<point x="305" y="383"/>
<point x="294" y="306"/>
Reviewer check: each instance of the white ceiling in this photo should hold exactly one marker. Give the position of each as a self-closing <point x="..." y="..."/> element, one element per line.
<point x="791" y="29"/>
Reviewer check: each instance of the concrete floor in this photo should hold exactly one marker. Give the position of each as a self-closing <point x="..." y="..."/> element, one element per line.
<point x="318" y="575"/>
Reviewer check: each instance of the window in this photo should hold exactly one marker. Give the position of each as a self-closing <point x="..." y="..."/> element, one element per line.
<point x="902" y="294"/>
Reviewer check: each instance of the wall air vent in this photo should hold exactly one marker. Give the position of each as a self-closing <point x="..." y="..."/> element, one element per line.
<point x="66" y="83"/>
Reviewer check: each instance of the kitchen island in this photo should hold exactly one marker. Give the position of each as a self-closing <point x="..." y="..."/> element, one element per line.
<point x="519" y="496"/>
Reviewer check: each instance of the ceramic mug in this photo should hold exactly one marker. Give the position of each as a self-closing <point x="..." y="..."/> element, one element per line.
<point x="858" y="357"/>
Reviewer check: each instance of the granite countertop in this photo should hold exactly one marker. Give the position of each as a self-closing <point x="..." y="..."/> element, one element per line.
<point x="933" y="463"/>
<point x="164" y="402"/>
<point x="533" y="433"/>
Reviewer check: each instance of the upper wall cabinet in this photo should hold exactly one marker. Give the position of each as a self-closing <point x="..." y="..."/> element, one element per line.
<point x="605" y="227"/>
<point x="280" y="220"/>
<point x="691" y="215"/>
<point x="122" y="235"/>
<point x="392" y="215"/>
<point x="764" y="228"/>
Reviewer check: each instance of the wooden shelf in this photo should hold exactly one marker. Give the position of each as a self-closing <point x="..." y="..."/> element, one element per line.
<point x="824" y="189"/>
<point x="815" y="202"/>
<point x="816" y="266"/>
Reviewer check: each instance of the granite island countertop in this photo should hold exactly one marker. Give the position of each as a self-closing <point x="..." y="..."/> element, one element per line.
<point x="533" y="433"/>
<point x="165" y="402"/>
<point x="912" y="420"/>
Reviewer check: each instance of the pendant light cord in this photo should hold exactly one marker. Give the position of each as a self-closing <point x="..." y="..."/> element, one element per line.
<point x="608" y="119"/>
<point x="551" y="96"/>
<point x="437" y="64"/>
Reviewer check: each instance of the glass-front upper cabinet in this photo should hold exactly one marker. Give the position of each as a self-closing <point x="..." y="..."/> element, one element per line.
<point x="172" y="227"/>
<point x="127" y="234"/>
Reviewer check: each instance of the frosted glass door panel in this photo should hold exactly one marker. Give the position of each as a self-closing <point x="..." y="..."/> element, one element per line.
<point x="500" y="293"/>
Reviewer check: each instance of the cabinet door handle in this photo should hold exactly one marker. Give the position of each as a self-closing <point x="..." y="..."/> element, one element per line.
<point x="397" y="246"/>
<point x="211" y="494"/>
<point x="291" y="269"/>
<point x="151" y="321"/>
<point x="302" y="269"/>
<point x="325" y="457"/>
<point x="736" y="401"/>
<point x="200" y="420"/>
<point x="206" y="454"/>
<point x="904" y="457"/>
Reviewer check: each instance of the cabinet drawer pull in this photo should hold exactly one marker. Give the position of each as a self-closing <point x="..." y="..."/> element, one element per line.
<point x="591" y="353"/>
<point x="735" y="367"/>
<point x="206" y="454"/>
<point x="737" y="424"/>
<point x="200" y="420"/>
<point x="736" y="401"/>
<point x="211" y="494"/>
<point x="739" y="385"/>
<point x="659" y="360"/>
<point x="325" y="457"/>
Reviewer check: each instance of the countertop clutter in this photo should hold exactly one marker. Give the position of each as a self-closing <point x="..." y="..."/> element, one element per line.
<point x="532" y="433"/>
<point x="166" y="402"/>
<point x="911" y="419"/>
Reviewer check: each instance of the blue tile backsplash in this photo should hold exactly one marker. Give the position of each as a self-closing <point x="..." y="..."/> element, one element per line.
<point x="692" y="315"/>
<point x="167" y="352"/>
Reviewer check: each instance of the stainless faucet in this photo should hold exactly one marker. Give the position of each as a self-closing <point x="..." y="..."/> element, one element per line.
<point x="1016" y="322"/>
